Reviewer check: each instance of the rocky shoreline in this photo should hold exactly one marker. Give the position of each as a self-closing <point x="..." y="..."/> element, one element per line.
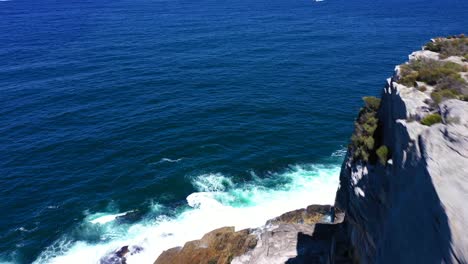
<point x="403" y="183"/>
<point x="299" y="236"/>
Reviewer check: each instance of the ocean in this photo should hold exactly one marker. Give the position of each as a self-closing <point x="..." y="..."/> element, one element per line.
<point x="151" y="122"/>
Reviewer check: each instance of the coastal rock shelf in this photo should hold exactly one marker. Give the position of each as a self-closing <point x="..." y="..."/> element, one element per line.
<point x="294" y="237"/>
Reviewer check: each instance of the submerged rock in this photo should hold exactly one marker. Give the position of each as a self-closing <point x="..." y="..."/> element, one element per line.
<point x="130" y="217"/>
<point x="119" y="256"/>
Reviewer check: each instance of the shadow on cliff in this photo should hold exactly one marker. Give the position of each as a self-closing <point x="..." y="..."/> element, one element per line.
<point x="400" y="219"/>
<point x="327" y="241"/>
<point x="413" y="227"/>
<point x="417" y="229"/>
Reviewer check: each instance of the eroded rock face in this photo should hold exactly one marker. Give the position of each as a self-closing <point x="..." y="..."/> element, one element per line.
<point x="298" y="237"/>
<point x="294" y="237"/>
<point x="218" y="246"/>
<point x="413" y="210"/>
<point x="310" y="215"/>
<point x="294" y="244"/>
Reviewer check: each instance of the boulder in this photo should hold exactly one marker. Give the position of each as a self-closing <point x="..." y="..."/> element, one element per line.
<point x="219" y="246"/>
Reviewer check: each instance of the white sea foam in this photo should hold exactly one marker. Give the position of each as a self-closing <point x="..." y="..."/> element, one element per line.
<point x="156" y="207"/>
<point x="339" y="153"/>
<point x="218" y="203"/>
<point x="213" y="182"/>
<point x="23" y="229"/>
<point x="170" y="160"/>
<point x="103" y="218"/>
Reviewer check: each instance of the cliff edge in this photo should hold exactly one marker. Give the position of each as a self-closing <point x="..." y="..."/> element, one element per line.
<point x="405" y="196"/>
<point x="403" y="184"/>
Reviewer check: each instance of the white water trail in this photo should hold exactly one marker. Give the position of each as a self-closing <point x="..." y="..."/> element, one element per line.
<point x="170" y="160"/>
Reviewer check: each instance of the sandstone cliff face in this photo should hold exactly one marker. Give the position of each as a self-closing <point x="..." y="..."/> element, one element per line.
<point x="413" y="209"/>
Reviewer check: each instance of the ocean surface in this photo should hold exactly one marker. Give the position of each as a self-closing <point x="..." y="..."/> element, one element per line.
<point x="150" y="122"/>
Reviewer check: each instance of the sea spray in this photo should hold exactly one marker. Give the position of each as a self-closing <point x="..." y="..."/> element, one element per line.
<point x="218" y="202"/>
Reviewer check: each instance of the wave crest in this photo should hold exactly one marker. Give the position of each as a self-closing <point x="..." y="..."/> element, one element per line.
<point x="218" y="202"/>
<point x="213" y="182"/>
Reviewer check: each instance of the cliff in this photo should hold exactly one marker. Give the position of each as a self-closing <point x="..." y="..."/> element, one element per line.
<point x="403" y="183"/>
<point x="411" y="207"/>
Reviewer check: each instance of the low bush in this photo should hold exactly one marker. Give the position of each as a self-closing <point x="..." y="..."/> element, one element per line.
<point x="451" y="46"/>
<point x="451" y="81"/>
<point x="433" y="46"/>
<point x="441" y="95"/>
<point x="422" y="88"/>
<point x="409" y="78"/>
<point x="372" y="102"/>
<point x="434" y="71"/>
<point x="431" y="119"/>
<point x="363" y="141"/>
<point x="383" y="154"/>
<point x="445" y="76"/>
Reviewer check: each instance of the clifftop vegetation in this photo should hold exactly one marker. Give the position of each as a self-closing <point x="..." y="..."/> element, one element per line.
<point x="450" y="46"/>
<point x="442" y="76"/>
<point x="447" y="74"/>
<point x="365" y="138"/>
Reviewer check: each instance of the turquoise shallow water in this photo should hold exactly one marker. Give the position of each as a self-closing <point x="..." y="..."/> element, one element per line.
<point x="188" y="114"/>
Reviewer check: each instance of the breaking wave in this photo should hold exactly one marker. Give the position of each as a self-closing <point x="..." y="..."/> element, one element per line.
<point x="218" y="202"/>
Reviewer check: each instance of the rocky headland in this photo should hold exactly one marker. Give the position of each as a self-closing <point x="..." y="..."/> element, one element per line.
<point x="300" y="236"/>
<point x="403" y="183"/>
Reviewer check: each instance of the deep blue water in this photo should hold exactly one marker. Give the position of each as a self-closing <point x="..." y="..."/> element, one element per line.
<point x="112" y="106"/>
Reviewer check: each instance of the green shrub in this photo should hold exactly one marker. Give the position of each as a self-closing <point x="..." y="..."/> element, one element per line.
<point x="432" y="46"/>
<point x="369" y="142"/>
<point x="451" y="81"/>
<point x="441" y="95"/>
<point x="450" y="46"/>
<point x="369" y="127"/>
<point x="434" y="71"/>
<point x="408" y="76"/>
<point x="443" y="75"/>
<point x="382" y="152"/>
<point x="362" y="140"/>
<point x="431" y="119"/>
<point x="372" y="102"/>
